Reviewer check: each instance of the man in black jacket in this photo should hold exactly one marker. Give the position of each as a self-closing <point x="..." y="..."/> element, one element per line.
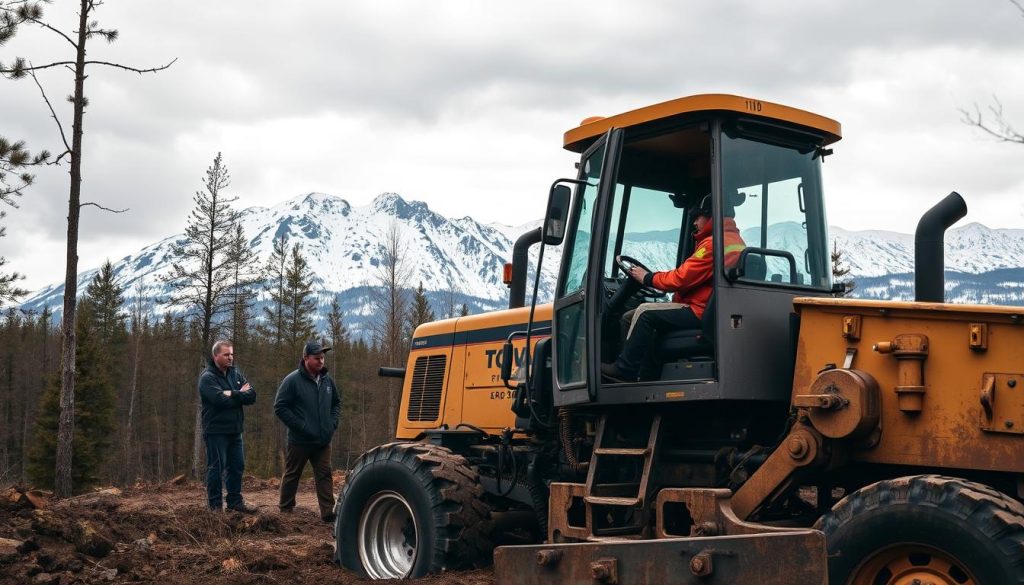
<point x="308" y="403"/>
<point x="223" y="392"/>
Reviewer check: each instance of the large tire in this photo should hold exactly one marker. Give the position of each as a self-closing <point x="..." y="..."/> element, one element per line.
<point x="925" y="529"/>
<point x="409" y="509"/>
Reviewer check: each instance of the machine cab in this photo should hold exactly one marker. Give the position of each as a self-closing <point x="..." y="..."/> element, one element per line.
<point x="641" y="176"/>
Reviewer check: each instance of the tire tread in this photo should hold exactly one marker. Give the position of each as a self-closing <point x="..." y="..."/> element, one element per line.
<point x="995" y="514"/>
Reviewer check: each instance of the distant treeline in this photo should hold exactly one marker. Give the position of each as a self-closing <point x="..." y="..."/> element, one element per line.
<point x="136" y="398"/>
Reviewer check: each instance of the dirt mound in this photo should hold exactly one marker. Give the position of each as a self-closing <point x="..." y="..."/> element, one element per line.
<point x="164" y="534"/>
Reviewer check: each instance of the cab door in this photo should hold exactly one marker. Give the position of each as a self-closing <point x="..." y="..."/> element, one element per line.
<point x="579" y="291"/>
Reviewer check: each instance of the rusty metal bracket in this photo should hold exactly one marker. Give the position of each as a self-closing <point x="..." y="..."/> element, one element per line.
<point x="1002" y="403"/>
<point x="796" y="556"/>
<point x="977" y="336"/>
<point x="851" y="352"/>
<point x="605" y="571"/>
<point x="801" y="448"/>
<point x="988" y="394"/>
<point x="910" y="350"/>
<point x="710" y="511"/>
<point x="851" y="327"/>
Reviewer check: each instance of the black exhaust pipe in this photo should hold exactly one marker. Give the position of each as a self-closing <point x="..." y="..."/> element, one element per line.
<point x="520" y="260"/>
<point x="929" y="255"/>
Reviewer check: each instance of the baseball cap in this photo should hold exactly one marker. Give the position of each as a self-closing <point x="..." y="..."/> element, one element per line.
<point x="314" y="347"/>
<point x="702" y="208"/>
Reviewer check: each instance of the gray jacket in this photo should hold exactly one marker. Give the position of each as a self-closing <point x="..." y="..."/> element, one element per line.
<point x="309" y="408"/>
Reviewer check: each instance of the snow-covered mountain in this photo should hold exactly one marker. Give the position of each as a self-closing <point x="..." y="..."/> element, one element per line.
<point x="457" y="260"/>
<point x="460" y="260"/>
<point x="972" y="249"/>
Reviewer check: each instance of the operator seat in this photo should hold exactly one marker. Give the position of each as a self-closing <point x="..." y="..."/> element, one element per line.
<point x="679" y="351"/>
<point x="688" y="343"/>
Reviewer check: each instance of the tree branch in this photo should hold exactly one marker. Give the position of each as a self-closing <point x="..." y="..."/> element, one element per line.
<point x="56" y="161"/>
<point x="70" y="64"/>
<point x="103" y="208"/>
<point x="31" y="68"/>
<point x="1018" y="5"/>
<point x="46" y="26"/>
<point x="999" y="128"/>
<point x="133" y="69"/>
<point x="60" y="127"/>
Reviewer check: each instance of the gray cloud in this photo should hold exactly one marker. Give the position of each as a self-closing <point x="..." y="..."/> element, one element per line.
<point x="438" y="98"/>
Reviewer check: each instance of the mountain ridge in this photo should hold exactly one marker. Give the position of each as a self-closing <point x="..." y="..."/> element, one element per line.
<point x="459" y="260"/>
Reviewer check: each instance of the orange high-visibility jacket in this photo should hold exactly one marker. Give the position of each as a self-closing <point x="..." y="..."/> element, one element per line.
<point x="691" y="282"/>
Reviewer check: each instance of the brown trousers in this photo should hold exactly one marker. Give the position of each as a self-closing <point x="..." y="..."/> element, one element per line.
<point x="295" y="460"/>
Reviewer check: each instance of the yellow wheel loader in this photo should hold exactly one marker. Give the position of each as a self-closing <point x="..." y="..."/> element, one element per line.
<point x="788" y="437"/>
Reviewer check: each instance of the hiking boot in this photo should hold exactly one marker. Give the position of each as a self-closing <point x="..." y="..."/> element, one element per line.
<point x="244" y="508"/>
<point x="611" y="372"/>
<point x="330" y="517"/>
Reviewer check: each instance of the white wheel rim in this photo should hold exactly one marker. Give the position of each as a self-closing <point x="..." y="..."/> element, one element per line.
<point x="387" y="536"/>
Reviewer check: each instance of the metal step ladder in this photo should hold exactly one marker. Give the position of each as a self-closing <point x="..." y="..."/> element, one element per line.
<point x="618" y="479"/>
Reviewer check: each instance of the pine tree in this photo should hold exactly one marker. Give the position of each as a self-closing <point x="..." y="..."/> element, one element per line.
<point x="340" y="354"/>
<point x="276" y="277"/>
<point x="336" y="330"/>
<point x="201" y="275"/>
<point x="107" y="296"/>
<point x="102" y="338"/>
<point x="300" y="306"/>
<point x="420" y="312"/>
<point x="839" y="271"/>
<point x="464" y="311"/>
<point x="88" y="28"/>
<point x="243" y="279"/>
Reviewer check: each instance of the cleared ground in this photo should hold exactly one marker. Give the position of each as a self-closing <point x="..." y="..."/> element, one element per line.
<point x="164" y="534"/>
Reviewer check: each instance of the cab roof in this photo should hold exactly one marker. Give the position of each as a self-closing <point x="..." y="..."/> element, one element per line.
<point x="577" y="139"/>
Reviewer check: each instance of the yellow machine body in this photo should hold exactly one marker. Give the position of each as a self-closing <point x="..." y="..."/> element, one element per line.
<point x="454" y="371"/>
<point x="966" y="410"/>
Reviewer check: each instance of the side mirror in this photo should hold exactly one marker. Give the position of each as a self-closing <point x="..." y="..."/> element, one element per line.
<point x="558" y="211"/>
<point x="508" y="356"/>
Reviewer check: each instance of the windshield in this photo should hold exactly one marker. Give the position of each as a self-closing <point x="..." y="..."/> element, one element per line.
<point x="650" y="229"/>
<point x="774" y="193"/>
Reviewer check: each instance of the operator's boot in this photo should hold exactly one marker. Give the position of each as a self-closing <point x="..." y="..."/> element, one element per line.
<point x="613" y="373"/>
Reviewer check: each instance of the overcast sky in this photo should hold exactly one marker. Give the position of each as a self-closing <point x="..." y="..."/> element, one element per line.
<point x="462" y="104"/>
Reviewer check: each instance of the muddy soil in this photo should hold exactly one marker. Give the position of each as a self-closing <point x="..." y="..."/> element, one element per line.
<point x="164" y="534"/>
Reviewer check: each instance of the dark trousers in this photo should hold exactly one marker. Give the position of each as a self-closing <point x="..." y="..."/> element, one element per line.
<point x="645" y="322"/>
<point x="295" y="460"/>
<point x="225" y="462"/>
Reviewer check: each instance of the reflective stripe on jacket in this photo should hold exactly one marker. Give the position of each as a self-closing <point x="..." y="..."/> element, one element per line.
<point x="691" y="282"/>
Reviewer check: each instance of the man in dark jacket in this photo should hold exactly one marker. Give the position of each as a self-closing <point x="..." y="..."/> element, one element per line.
<point x="223" y="392"/>
<point x="308" y="403"/>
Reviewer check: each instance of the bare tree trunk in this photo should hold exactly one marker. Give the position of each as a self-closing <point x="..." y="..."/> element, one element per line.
<point x="137" y="316"/>
<point x="159" y="452"/>
<point x="8" y="406"/>
<point x="197" y="435"/>
<point x="390" y="305"/>
<point x="362" y="417"/>
<point x="66" y="426"/>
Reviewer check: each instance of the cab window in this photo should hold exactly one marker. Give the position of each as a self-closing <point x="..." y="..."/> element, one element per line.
<point x="650" y="227"/>
<point x="658" y="178"/>
<point x="775" y="193"/>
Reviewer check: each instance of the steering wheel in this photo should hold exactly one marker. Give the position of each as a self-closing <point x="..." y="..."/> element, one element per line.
<point x="625" y="263"/>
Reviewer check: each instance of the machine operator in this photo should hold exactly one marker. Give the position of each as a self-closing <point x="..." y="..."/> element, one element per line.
<point x="692" y="285"/>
